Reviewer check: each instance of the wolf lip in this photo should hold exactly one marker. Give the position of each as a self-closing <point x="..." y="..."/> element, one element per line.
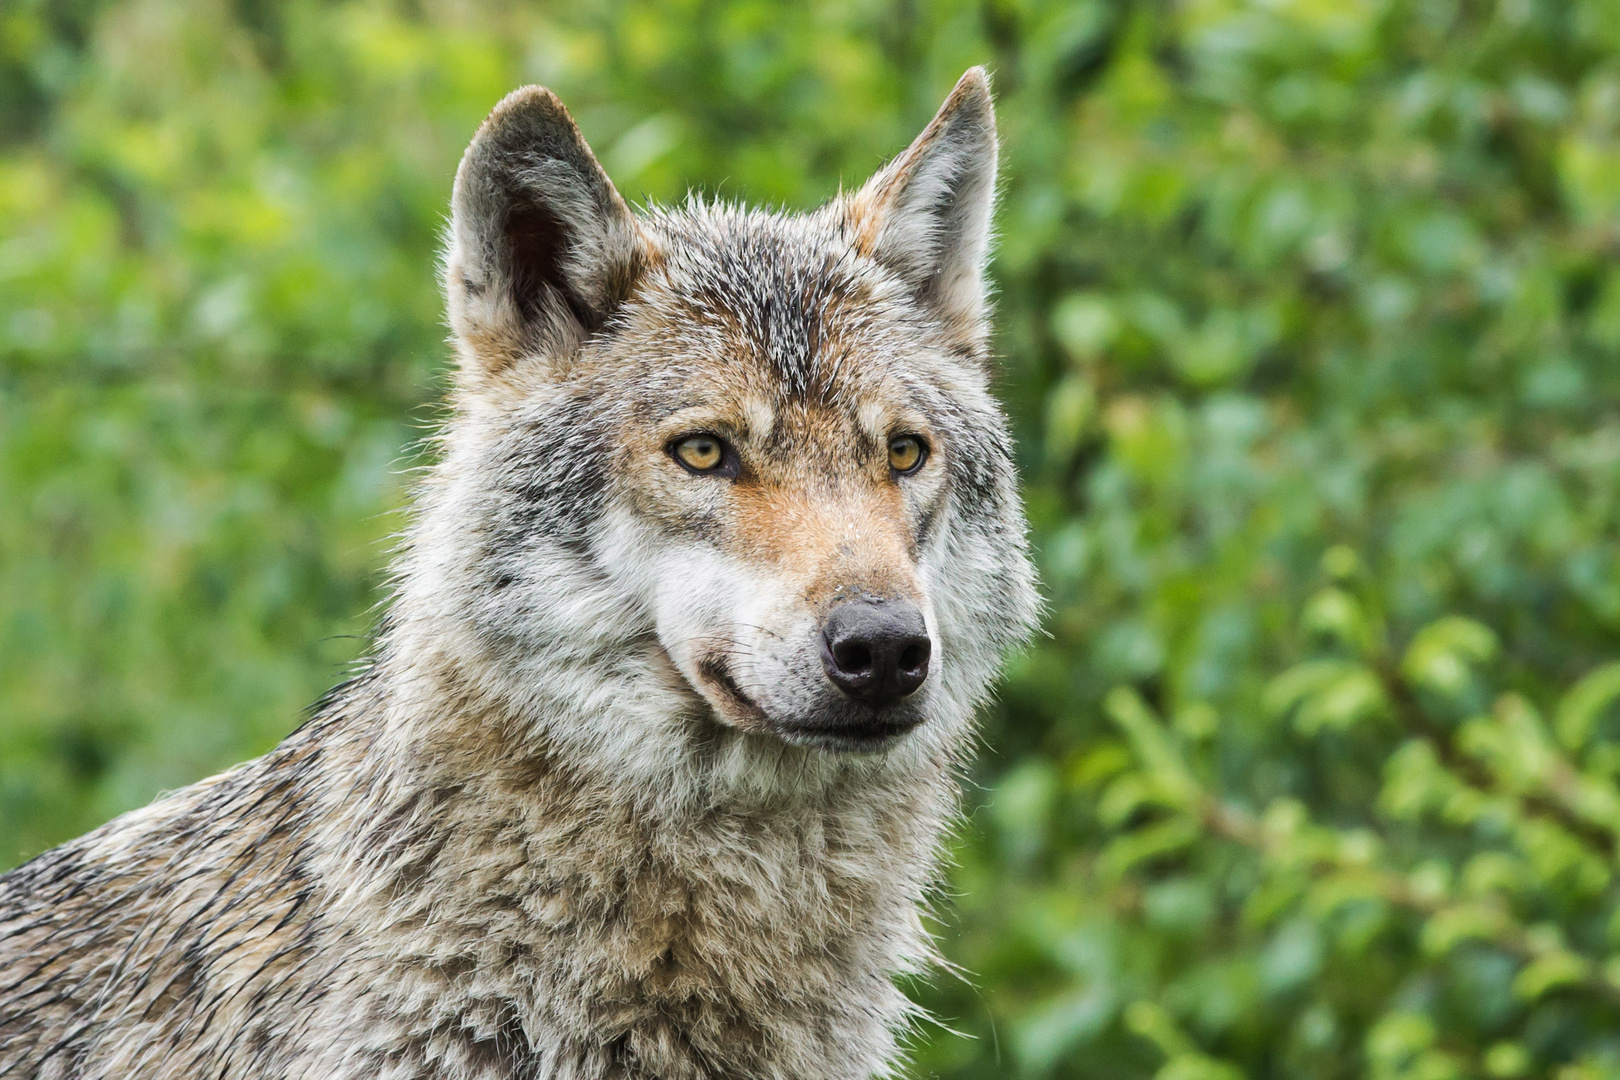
<point x="717" y="673"/>
<point x="867" y="733"/>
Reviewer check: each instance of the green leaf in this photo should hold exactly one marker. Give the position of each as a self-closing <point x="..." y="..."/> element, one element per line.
<point x="1086" y="325"/>
<point x="1125" y="853"/>
<point x="1153" y="1022"/>
<point x="1197" y="1067"/>
<point x="1443" y="653"/>
<point x="1546" y="973"/>
<point x="1301" y="681"/>
<point x="1328" y="695"/>
<point x="1337" y="614"/>
<point x="1355" y="696"/>
<point x="1054" y="1028"/>
<point x="1507" y="1061"/>
<point x="1584" y="704"/>
<point x="1160" y="760"/>
<point x="1397" y="1038"/>
<point x="1449" y="927"/>
<point x="1071" y="410"/>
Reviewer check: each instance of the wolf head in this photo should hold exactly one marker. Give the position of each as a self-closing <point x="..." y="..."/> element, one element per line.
<point x="717" y="472"/>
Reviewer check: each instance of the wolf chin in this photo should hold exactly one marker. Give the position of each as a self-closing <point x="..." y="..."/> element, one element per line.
<point x="649" y="771"/>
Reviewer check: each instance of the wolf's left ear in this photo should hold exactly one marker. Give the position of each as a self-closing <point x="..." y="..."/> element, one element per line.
<point x="926" y="215"/>
<point x="541" y="247"/>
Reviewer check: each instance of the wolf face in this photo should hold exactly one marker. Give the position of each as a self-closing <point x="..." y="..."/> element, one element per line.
<point x="756" y="452"/>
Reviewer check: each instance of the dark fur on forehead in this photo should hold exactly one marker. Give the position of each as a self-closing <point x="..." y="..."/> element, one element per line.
<point x="779" y="285"/>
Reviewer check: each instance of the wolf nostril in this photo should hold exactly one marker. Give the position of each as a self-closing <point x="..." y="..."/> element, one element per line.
<point x="913" y="657"/>
<point x="852" y="657"/>
<point x="876" y="650"/>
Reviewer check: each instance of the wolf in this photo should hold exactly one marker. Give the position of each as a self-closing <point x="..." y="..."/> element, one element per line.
<point x="649" y="770"/>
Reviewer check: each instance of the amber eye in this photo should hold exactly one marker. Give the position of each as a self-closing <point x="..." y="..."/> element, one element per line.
<point x="700" y="453"/>
<point x="906" y="453"/>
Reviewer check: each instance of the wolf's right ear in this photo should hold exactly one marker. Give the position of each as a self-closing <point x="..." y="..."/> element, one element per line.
<point x="541" y="247"/>
<point x="926" y="214"/>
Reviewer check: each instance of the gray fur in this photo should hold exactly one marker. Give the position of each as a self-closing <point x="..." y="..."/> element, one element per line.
<point x="578" y="819"/>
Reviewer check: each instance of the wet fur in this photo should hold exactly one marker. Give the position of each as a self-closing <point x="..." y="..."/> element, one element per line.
<point x="582" y="816"/>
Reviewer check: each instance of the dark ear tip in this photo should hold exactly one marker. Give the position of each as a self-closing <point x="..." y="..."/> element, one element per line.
<point x="524" y="121"/>
<point x="970" y="105"/>
<point x="522" y="111"/>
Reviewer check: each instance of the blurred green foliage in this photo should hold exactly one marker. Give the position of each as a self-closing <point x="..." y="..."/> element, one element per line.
<point x="1310" y="318"/>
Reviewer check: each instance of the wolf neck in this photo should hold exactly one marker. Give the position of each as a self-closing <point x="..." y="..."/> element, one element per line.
<point x="735" y="901"/>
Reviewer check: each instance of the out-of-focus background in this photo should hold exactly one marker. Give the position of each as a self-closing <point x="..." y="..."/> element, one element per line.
<point x="1310" y="326"/>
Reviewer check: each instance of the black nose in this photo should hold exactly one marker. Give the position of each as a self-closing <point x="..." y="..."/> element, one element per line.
<point x="875" y="650"/>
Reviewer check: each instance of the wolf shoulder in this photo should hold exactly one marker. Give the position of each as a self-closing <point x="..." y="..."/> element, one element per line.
<point x="175" y="938"/>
